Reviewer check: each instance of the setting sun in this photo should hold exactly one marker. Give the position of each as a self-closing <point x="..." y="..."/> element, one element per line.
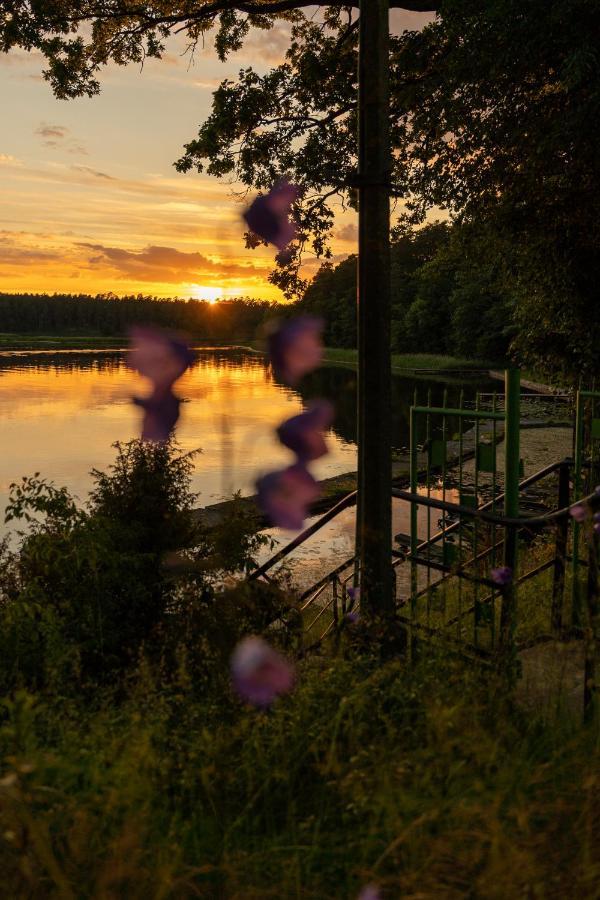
<point x="210" y="294"/>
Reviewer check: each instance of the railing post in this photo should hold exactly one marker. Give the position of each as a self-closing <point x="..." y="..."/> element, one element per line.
<point x="560" y="552"/>
<point x="592" y="626"/>
<point x="374" y="512"/>
<point x="512" y="456"/>
<point x="577" y="486"/>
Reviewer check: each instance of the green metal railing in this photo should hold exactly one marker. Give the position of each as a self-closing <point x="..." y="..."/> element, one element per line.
<point x="489" y="516"/>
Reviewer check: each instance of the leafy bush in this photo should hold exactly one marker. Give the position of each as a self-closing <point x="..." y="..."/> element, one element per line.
<point x="90" y="589"/>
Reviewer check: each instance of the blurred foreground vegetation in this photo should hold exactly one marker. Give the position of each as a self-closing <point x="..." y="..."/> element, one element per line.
<point x="128" y="768"/>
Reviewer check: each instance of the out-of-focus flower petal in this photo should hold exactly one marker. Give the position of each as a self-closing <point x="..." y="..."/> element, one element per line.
<point x="579" y="512"/>
<point x="503" y="575"/>
<point x="295" y="348"/>
<point x="286" y="495"/>
<point x="161" y="412"/>
<point x="304" y="434"/>
<point x="161" y="356"/>
<point x="268" y="216"/>
<point x="370" y="892"/>
<point x="259" y="673"/>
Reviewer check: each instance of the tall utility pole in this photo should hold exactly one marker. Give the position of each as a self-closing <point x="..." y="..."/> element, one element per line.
<point x="374" y="511"/>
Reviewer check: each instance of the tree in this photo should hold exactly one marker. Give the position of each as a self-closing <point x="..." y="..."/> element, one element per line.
<point x="260" y="128"/>
<point x="493" y="118"/>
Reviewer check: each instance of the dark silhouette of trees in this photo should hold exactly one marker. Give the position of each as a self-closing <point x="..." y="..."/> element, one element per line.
<point x="112" y="316"/>
<point x="493" y="118"/>
<point x="450" y="294"/>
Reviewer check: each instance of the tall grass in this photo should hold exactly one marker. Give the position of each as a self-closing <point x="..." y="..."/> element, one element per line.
<point x="427" y="781"/>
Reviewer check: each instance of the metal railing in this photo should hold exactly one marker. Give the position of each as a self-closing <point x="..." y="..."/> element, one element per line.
<point x="333" y="603"/>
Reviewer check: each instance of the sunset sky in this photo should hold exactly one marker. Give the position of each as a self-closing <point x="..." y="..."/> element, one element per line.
<point x="89" y="199"/>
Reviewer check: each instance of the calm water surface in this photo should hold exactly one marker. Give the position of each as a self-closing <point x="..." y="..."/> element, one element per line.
<point x="61" y="411"/>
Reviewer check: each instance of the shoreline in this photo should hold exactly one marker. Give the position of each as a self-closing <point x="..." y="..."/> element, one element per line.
<point x="337" y="487"/>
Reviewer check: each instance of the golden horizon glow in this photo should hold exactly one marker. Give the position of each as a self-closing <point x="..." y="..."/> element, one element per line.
<point x="211" y="295"/>
<point x="89" y="199"/>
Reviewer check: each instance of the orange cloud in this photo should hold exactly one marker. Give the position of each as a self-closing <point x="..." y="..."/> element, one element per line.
<point x="166" y="264"/>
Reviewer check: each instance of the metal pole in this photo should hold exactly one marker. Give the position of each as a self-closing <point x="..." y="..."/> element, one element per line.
<point x="577" y="489"/>
<point x="512" y="454"/>
<point x="590" y="686"/>
<point x="374" y="512"/>
<point x="560" y="553"/>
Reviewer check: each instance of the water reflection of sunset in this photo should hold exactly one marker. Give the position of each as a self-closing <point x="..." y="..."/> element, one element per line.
<point x="61" y="417"/>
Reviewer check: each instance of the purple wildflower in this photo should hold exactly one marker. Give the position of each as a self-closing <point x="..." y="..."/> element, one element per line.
<point x="295" y="348"/>
<point x="370" y="892"/>
<point x="286" y="495"/>
<point x="162" y="357"/>
<point x="260" y="674"/>
<point x="268" y="216"/>
<point x="502" y="575"/>
<point x="305" y="434"/>
<point x="352" y="618"/>
<point x="579" y="512"/>
<point x="353" y="593"/>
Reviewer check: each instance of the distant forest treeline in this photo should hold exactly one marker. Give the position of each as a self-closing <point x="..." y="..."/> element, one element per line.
<point x="451" y="294"/>
<point x="112" y="316"/>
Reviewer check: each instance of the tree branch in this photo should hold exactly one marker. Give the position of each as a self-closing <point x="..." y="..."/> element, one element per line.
<point x="250" y="7"/>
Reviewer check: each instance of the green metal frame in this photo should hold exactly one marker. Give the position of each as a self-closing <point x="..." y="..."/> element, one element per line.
<point x="485" y="461"/>
<point x="582" y="446"/>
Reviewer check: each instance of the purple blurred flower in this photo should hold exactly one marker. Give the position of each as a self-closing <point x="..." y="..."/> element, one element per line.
<point x="162" y="357"/>
<point x="370" y="892"/>
<point x="579" y="512"/>
<point x="354" y="594"/>
<point x="305" y="434"/>
<point x="502" y="576"/>
<point x="295" y="348"/>
<point x="286" y="495"/>
<point x="352" y="618"/>
<point x="161" y="412"/>
<point x="260" y="674"/>
<point x="268" y="216"/>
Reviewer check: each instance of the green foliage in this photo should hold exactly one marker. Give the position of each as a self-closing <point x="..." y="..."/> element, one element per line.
<point x="449" y="294"/>
<point x="89" y="590"/>
<point x="492" y="118"/>
<point x="426" y="781"/>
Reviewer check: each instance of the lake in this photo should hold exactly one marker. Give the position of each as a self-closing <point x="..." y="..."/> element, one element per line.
<point x="61" y="412"/>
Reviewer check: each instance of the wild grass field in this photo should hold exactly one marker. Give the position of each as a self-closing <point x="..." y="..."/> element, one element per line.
<point x="129" y="767"/>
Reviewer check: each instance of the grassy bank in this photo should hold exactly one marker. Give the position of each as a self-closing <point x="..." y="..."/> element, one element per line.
<point x="59" y="342"/>
<point x="426" y="782"/>
<point x="410" y="361"/>
<point x="80" y="342"/>
<point x="400" y="361"/>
